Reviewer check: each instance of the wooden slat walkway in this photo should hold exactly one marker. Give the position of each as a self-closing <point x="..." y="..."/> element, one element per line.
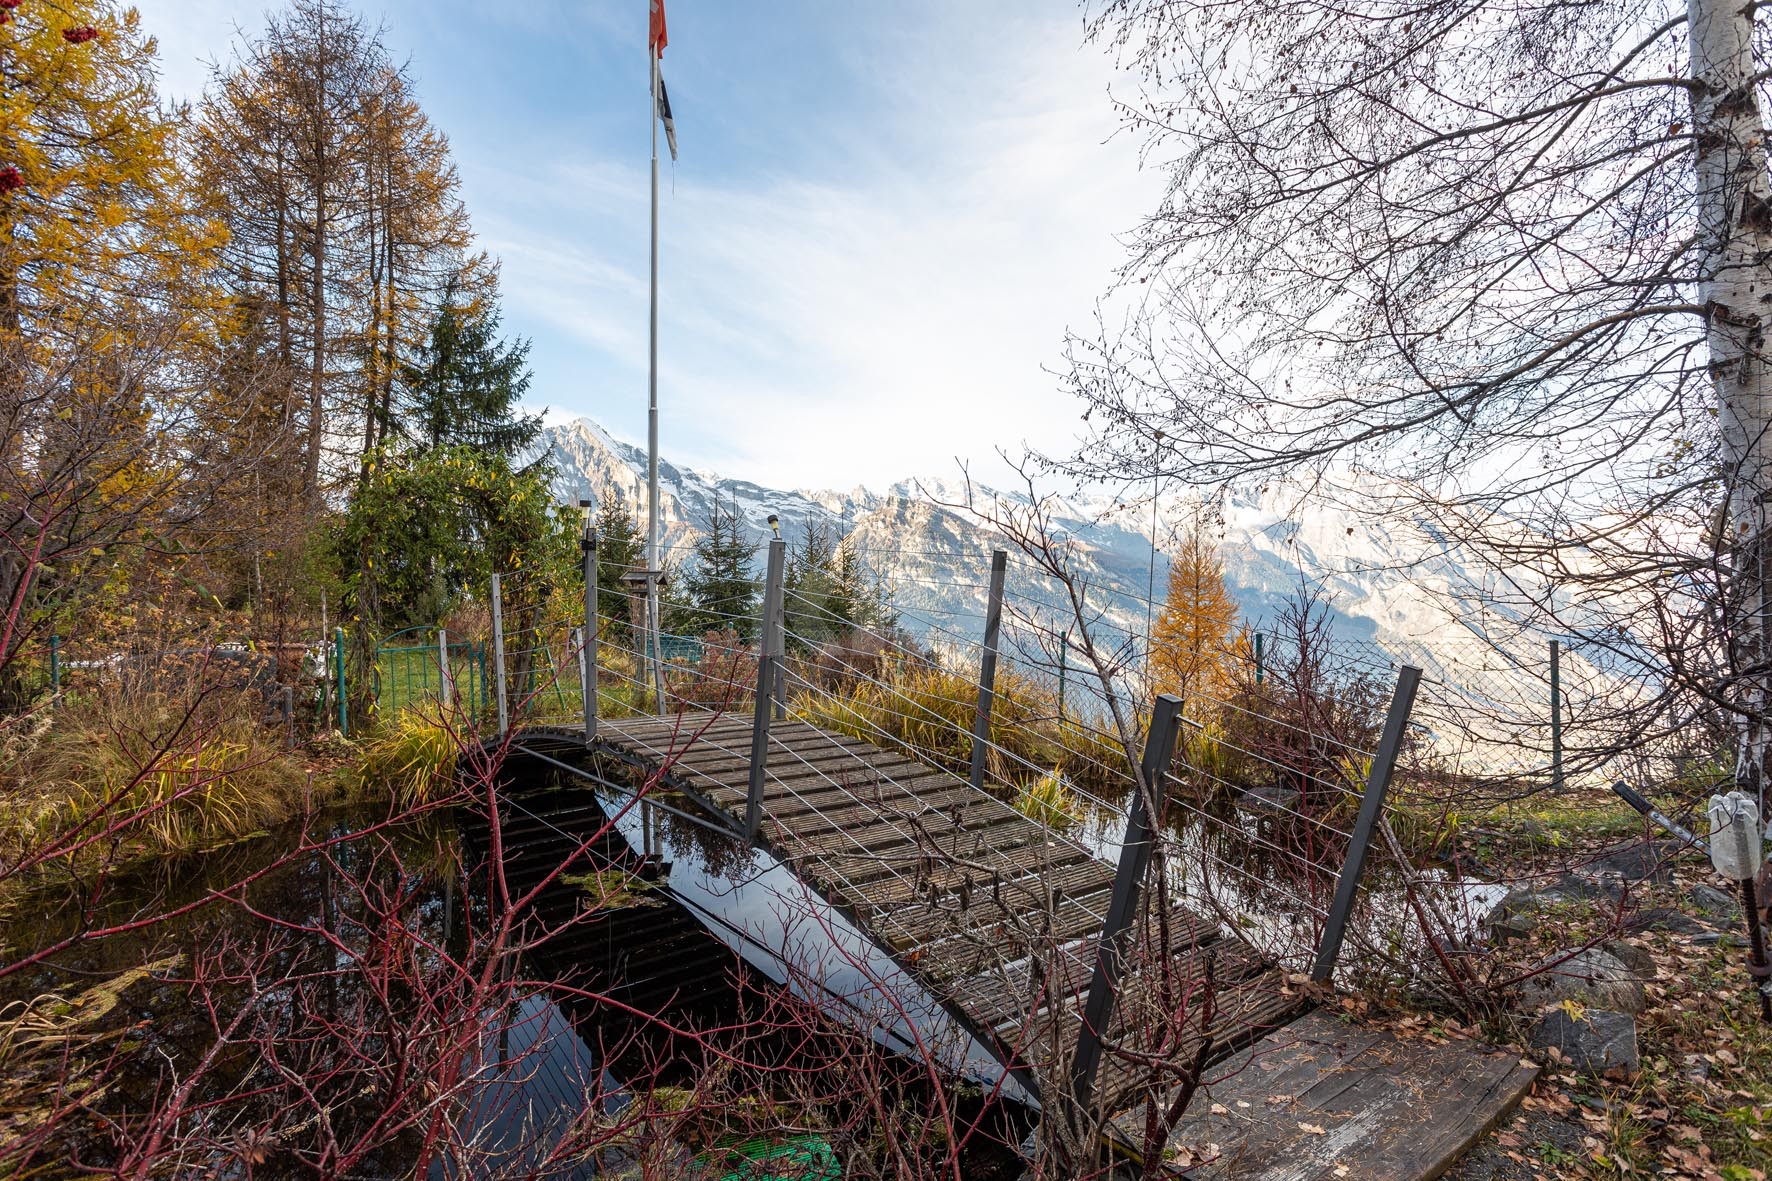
<point x="986" y="907"/>
<point x="964" y="890"/>
<point x="1324" y="1099"/>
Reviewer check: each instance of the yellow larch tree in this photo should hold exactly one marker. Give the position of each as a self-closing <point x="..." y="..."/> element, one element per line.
<point x="1192" y="644"/>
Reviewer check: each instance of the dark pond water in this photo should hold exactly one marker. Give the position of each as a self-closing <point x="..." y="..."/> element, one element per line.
<point x="647" y="1021"/>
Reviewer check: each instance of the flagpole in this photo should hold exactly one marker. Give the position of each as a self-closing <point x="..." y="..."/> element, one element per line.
<point x="653" y="567"/>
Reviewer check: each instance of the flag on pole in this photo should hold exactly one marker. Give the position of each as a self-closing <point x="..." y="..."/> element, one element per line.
<point x="657" y="37"/>
<point x="664" y="112"/>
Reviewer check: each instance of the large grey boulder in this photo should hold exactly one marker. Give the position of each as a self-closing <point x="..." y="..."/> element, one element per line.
<point x="1597" y="1041"/>
<point x="1588" y="977"/>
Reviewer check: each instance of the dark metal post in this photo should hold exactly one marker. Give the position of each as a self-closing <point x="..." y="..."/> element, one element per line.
<point x="769" y="647"/>
<point x="55" y="666"/>
<point x="1064" y="653"/>
<point x="1135" y="858"/>
<point x="587" y="649"/>
<point x="987" y="670"/>
<point x="289" y="713"/>
<point x="1556" y="714"/>
<point x="1378" y="782"/>
<point x="498" y="655"/>
<point x="338" y="679"/>
<point x="1260" y="658"/>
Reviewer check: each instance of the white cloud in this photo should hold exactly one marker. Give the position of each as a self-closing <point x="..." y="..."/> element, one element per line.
<point x="825" y="330"/>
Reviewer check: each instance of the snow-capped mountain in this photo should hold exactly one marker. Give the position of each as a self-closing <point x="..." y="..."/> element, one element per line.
<point x="1397" y="592"/>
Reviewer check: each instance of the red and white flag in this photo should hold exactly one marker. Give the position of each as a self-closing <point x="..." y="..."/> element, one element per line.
<point x="657" y="38"/>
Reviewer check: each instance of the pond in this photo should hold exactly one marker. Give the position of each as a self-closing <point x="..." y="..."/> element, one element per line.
<point x="621" y="991"/>
<point x="649" y="1016"/>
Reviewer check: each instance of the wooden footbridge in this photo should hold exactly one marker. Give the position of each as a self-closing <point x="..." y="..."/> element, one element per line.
<point x="1078" y="979"/>
<point x="1004" y="920"/>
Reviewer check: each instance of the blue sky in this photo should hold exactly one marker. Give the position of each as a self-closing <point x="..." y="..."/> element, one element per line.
<point x="883" y="220"/>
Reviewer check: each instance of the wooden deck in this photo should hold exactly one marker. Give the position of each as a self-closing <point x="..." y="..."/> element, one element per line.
<point x="965" y="891"/>
<point x="1325" y="1099"/>
<point x="1000" y="917"/>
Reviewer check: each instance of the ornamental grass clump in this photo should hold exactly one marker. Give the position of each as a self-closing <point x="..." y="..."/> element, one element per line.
<point x="146" y="770"/>
<point x="410" y="759"/>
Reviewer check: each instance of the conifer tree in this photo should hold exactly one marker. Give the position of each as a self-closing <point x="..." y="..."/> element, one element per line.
<point x="720" y="591"/>
<point x="620" y="548"/>
<point x="463" y="385"/>
<point x="1191" y="647"/>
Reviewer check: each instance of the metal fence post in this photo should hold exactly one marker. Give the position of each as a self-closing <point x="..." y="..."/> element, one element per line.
<point x="1556" y="714"/>
<point x="446" y="679"/>
<point x="987" y="670"/>
<point x="1378" y="782"/>
<point x="498" y="655"/>
<point x="587" y="650"/>
<point x="1260" y="658"/>
<point x="55" y="667"/>
<point x="338" y="680"/>
<point x="1135" y="858"/>
<point x="769" y="649"/>
<point x="289" y="713"/>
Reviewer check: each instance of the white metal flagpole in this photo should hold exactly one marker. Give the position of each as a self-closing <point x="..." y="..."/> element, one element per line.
<point x="652" y="553"/>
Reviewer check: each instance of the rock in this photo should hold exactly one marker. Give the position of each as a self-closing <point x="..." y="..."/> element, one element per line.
<point x="1662" y="918"/>
<point x="1504" y="928"/>
<point x="1269" y="797"/>
<point x="1638" y="861"/>
<point x="1718" y="939"/>
<point x="1597" y="1041"/>
<point x="1589" y="977"/>
<point x="1632" y="957"/>
<point x="1714" y="902"/>
<point x="1608" y="889"/>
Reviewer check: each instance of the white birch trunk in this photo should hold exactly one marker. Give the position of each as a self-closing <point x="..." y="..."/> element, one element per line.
<point x="1736" y="288"/>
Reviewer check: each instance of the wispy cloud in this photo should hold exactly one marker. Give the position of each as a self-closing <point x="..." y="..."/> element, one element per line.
<point x="882" y="224"/>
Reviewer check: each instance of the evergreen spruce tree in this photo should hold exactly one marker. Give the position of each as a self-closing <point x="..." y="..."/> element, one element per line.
<point x="464" y="385"/>
<point x="620" y="548"/>
<point x="720" y="591"/>
<point x="816" y="608"/>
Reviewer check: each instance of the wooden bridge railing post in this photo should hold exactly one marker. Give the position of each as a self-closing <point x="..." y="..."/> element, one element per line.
<point x="769" y="649"/>
<point x="1378" y="782"/>
<point x="498" y="655"/>
<point x="987" y="670"/>
<point x="587" y="648"/>
<point x="1135" y="858"/>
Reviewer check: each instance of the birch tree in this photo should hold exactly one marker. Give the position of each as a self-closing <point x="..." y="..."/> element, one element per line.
<point x="1500" y="267"/>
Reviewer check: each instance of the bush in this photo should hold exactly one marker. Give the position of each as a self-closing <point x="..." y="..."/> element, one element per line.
<point x="410" y="759"/>
<point x="170" y="775"/>
<point x="930" y="710"/>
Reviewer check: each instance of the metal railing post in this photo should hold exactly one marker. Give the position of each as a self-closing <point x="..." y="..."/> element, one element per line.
<point x="987" y="670"/>
<point x="587" y="650"/>
<point x="338" y="680"/>
<point x="1556" y="714"/>
<point x="446" y="679"/>
<point x="498" y="655"/>
<point x="1135" y="859"/>
<point x="55" y="668"/>
<point x="1378" y="782"/>
<point x="769" y="649"/>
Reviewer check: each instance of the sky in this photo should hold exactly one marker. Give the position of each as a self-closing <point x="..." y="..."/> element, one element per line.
<point x="882" y="222"/>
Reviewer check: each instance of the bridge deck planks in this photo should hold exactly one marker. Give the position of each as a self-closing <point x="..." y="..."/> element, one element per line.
<point x="960" y="887"/>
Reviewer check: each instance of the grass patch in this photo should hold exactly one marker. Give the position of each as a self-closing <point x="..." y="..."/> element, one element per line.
<point x="162" y="777"/>
<point x="410" y="758"/>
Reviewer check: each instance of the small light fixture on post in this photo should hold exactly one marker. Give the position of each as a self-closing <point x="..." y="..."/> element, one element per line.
<point x="775" y="525"/>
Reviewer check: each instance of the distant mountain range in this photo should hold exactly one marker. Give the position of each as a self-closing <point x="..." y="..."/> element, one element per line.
<point x="1394" y="590"/>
